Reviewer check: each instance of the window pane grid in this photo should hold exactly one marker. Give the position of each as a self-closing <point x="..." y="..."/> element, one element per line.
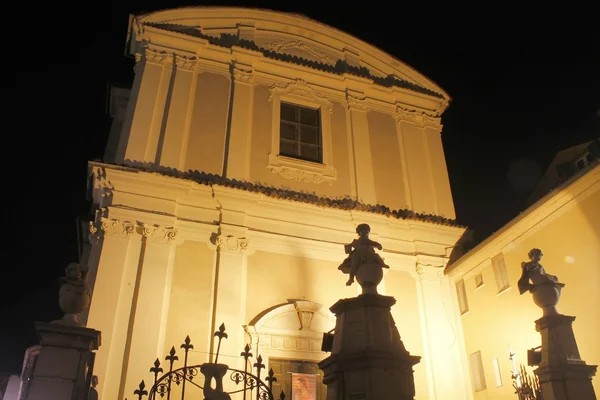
<point x="299" y="138"/>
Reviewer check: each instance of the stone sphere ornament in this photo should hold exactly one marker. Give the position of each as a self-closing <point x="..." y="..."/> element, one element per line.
<point x="74" y="295"/>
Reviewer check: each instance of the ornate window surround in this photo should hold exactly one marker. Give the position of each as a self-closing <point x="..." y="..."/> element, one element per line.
<point x="300" y="93"/>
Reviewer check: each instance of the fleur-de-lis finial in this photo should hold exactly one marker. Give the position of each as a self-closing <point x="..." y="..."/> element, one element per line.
<point x="259" y="364"/>
<point x="141" y="392"/>
<point x="246" y="353"/>
<point x="156" y="369"/>
<point x="221" y="335"/>
<point x="282" y="395"/>
<point x="221" y="332"/>
<point x="271" y="378"/>
<point x="187" y="344"/>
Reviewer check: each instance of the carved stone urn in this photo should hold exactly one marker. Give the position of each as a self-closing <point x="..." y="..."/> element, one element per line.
<point x="369" y="276"/>
<point x="74" y="295"/>
<point x="546" y="297"/>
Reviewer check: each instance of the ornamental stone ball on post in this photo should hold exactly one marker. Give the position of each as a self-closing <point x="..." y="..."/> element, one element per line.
<point x="363" y="262"/>
<point x="74" y="294"/>
<point x="544" y="287"/>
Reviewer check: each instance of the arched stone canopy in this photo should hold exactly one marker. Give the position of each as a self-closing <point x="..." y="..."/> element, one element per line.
<point x="291" y="330"/>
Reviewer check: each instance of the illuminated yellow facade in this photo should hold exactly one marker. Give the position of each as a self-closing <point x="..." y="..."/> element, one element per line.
<point x="207" y="214"/>
<point x="250" y="146"/>
<point x="565" y="225"/>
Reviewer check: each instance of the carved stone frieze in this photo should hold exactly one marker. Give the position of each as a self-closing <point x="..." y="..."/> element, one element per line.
<point x="231" y="244"/>
<point x="300" y="175"/>
<point x="158" y="234"/>
<point x="420" y="119"/>
<point x="282" y="45"/>
<point x="429" y="273"/>
<point x="186" y="63"/>
<point x="244" y="76"/>
<point x="157" y="57"/>
<point x="299" y="87"/>
<point x="110" y="227"/>
<point x="355" y="103"/>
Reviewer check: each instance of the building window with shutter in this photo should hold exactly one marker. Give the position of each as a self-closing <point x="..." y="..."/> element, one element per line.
<point x="500" y="273"/>
<point x="477" y="372"/>
<point x="497" y="374"/>
<point x="462" y="296"/>
<point x="300" y="133"/>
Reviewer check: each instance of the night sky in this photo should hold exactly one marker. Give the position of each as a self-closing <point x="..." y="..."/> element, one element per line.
<point x="521" y="91"/>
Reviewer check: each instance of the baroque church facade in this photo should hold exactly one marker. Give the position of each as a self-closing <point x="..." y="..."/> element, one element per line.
<point x="250" y="146"/>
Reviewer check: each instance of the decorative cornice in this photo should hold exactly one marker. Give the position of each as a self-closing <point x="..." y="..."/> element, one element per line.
<point x="110" y="227"/>
<point x="156" y="56"/>
<point x="300" y="175"/>
<point x="158" y="234"/>
<point x="231" y="244"/>
<point x="420" y="119"/>
<point x="429" y="273"/>
<point x="355" y="103"/>
<point x="187" y="63"/>
<point x="241" y="75"/>
<point x="280" y="45"/>
<point x="299" y="87"/>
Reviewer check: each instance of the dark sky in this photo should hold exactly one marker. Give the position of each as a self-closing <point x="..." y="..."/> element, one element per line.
<point x="521" y="91"/>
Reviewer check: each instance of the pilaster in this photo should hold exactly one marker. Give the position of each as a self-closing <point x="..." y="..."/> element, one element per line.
<point x="112" y="272"/>
<point x="359" y="125"/>
<point x="230" y="291"/>
<point x="151" y="303"/>
<point x="237" y="160"/>
<point x="145" y="111"/>
<point x="442" y="354"/>
<point x="180" y="104"/>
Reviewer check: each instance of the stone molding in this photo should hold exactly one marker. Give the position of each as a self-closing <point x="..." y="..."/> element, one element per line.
<point x="157" y="234"/>
<point x="300" y="175"/>
<point x="282" y="45"/>
<point x="112" y="227"/>
<point x="186" y="63"/>
<point x="157" y="56"/>
<point x="106" y="227"/>
<point x="420" y="119"/>
<point x="429" y="273"/>
<point x="300" y="88"/>
<point x="243" y="76"/>
<point x="356" y="103"/>
<point x="231" y="244"/>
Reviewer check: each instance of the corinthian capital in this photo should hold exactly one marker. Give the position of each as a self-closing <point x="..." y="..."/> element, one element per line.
<point x="158" y="234"/>
<point x="429" y="273"/>
<point x="231" y="244"/>
<point x="240" y="75"/>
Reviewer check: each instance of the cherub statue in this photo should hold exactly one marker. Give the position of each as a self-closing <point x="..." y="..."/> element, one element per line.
<point x="534" y="271"/>
<point x="361" y="251"/>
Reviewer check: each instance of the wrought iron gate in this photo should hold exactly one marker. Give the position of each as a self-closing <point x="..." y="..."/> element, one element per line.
<point x="200" y="377"/>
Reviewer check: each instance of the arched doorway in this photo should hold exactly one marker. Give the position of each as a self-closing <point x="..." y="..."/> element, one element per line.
<point x="289" y="336"/>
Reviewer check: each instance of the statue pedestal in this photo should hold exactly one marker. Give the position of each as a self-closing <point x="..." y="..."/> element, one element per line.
<point x="368" y="360"/>
<point x="63" y="370"/>
<point x="562" y="373"/>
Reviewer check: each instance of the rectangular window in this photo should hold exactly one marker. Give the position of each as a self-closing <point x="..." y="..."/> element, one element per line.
<point x="497" y="374"/>
<point x="462" y="296"/>
<point x="477" y="371"/>
<point x="500" y="272"/>
<point x="300" y="133"/>
<point x="478" y="280"/>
